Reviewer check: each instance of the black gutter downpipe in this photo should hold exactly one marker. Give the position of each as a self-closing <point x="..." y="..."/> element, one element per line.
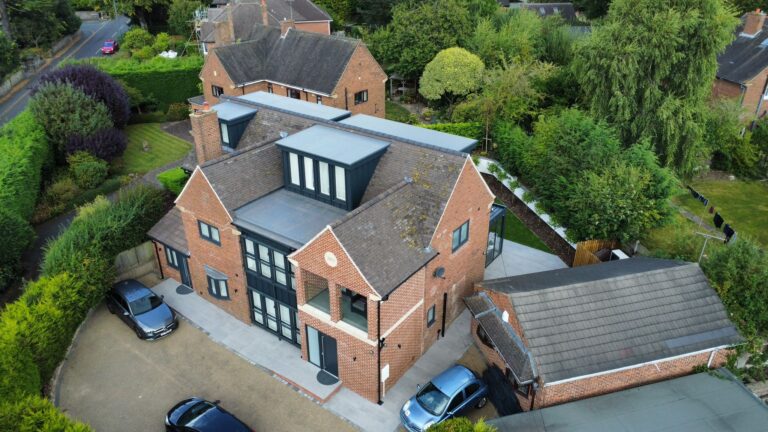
<point x="159" y="264"/>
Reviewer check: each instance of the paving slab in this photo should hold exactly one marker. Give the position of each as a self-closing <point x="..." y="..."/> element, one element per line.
<point x="517" y="259"/>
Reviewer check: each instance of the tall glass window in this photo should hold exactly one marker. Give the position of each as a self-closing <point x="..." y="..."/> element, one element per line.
<point x="325" y="181"/>
<point x="269" y="263"/>
<point x="309" y="173"/>
<point x="294" y="161"/>
<point x="341" y="184"/>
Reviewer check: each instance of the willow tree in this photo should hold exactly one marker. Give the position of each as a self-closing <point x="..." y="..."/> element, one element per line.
<point x="649" y="68"/>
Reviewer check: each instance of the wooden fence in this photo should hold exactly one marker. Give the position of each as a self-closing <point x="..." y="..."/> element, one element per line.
<point x="585" y="251"/>
<point x="137" y="262"/>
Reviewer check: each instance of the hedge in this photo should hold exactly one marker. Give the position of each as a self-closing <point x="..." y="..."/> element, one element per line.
<point x="167" y="80"/>
<point x="468" y="130"/>
<point x="33" y="414"/>
<point x="174" y="179"/>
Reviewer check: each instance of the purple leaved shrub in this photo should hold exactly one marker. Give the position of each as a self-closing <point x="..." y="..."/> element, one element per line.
<point x="105" y="144"/>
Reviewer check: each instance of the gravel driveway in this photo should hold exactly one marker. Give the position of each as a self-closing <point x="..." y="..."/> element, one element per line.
<point x="116" y="382"/>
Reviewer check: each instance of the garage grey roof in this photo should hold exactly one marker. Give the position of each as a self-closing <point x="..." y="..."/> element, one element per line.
<point x="169" y="230"/>
<point x="506" y="342"/>
<point x="293" y="106"/>
<point x="602" y="317"/>
<point x="745" y="57"/>
<point x="287" y="217"/>
<point x="412" y="133"/>
<point x="336" y="145"/>
<point x="299" y="59"/>
<point x="229" y="111"/>
<point x="705" y="402"/>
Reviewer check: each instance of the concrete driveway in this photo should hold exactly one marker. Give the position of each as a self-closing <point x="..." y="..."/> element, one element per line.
<point x="116" y="382"/>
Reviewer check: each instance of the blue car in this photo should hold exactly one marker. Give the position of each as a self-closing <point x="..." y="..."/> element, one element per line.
<point x="140" y="308"/>
<point x="446" y="396"/>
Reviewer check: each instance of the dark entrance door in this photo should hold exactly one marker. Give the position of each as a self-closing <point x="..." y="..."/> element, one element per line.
<point x="322" y="351"/>
<point x="186" y="278"/>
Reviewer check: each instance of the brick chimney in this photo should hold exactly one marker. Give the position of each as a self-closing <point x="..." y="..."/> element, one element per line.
<point x="231" y="22"/>
<point x="205" y="131"/>
<point x="286" y="25"/>
<point x="753" y="23"/>
<point x="264" y="13"/>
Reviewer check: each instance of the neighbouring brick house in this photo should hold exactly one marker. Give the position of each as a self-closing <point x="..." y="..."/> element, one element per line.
<point x="328" y="70"/>
<point x="235" y="21"/>
<point x="352" y="237"/>
<point x="742" y="72"/>
<point x="569" y="334"/>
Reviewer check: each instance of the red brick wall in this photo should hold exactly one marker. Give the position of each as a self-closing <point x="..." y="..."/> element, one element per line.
<point x="362" y="73"/>
<point x="315" y="27"/>
<point x="726" y="89"/>
<point x="199" y="202"/>
<point x="754" y="95"/>
<point x="168" y="271"/>
<point x="213" y="73"/>
<point x="471" y="200"/>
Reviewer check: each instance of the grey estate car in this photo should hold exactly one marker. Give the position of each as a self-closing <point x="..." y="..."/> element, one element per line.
<point x="140" y="308"/>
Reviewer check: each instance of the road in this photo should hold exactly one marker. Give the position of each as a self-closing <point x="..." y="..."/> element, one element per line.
<point x="94" y="33"/>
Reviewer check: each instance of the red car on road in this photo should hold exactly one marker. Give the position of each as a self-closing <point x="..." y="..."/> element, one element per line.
<point x="110" y="47"/>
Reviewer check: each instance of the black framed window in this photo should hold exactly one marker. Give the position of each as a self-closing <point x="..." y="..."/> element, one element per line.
<point x="483" y="336"/>
<point x="217" y="91"/>
<point x="269" y="263"/>
<point x="361" y="97"/>
<point x="269" y="88"/>
<point x="293" y="93"/>
<point x="431" y="316"/>
<point x="460" y="236"/>
<point x="317" y="178"/>
<point x="172" y="257"/>
<point x="218" y="288"/>
<point x="319" y="100"/>
<point x="209" y="232"/>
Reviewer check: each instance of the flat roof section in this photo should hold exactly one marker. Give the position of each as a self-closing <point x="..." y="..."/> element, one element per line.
<point x="343" y="147"/>
<point x="287" y="217"/>
<point x="295" y="106"/>
<point x="229" y="111"/>
<point x="412" y="133"/>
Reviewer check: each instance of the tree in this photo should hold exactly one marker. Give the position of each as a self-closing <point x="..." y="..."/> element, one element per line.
<point x="649" y="69"/>
<point x="418" y="31"/>
<point x="40" y="22"/>
<point x="9" y="56"/>
<point x="511" y="35"/>
<point x="65" y="111"/>
<point x="374" y="13"/>
<point x="454" y="72"/>
<point x="731" y="150"/>
<point x="6" y="24"/>
<point x="340" y="10"/>
<point x="181" y="16"/>
<point x="137" y="38"/>
<point x="593" y="8"/>
<point x="461" y="424"/>
<point x="97" y="85"/>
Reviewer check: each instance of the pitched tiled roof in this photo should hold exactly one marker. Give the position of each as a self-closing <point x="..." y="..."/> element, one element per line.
<point x="170" y="231"/>
<point x="622" y="313"/>
<point x="306" y="60"/>
<point x="745" y="57"/>
<point x="247" y="14"/>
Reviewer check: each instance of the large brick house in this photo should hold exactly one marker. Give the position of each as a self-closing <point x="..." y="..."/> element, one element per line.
<point x="569" y="334"/>
<point x="235" y="21"/>
<point x="328" y="70"/>
<point x="352" y="237"/>
<point x="742" y="72"/>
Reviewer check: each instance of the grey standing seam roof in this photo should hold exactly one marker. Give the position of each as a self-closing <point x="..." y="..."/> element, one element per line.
<point x="745" y="57"/>
<point x="295" y="106"/>
<point x="413" y="133"/>
<point x="299" y="59"/>
<point x="616" y="314"/>
<point x="337" y="145"/>
<point x="231" y="111"/>
<point x="507" y="343"/>
<point x="169" y="230"/>
<point x="287" y="217"/>
<point x="705" y="402"/>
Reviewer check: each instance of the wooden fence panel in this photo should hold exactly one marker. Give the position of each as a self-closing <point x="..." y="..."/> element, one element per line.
<point x="585" y="251"/>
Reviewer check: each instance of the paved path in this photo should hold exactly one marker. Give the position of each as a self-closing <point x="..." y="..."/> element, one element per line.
<point x="117" y="382"/>
<point x="517" y="259"/>
<point x="94" y="33"/>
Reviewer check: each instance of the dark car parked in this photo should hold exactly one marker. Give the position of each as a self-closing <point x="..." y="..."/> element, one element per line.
<point x="199" y="415"/>
<point x="141" y="309"/>
<point x="446" y="396"/>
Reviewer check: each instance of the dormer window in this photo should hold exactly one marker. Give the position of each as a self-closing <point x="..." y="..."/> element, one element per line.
<point x="341" y="184"/>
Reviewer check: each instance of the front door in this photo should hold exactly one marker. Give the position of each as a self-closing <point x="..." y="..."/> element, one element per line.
<point x="186" y="279"/>
<point x="275" y="316"/>
<point x="322" y="351"/>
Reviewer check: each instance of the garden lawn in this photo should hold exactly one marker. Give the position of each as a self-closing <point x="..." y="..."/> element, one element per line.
<point x="516" y="231"/>
<point x="397" y="112"/>
<point x="743" y="205"/>
<point x="164" y="148"/>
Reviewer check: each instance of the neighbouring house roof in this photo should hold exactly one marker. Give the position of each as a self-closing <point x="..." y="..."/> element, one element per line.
<point x="705" y="402"/>
<point x="565" y="10"/>
<point x="196" y="100"/>
<point x="507" y="343"/>
<point x="299" y="59"/>
<point x="745" y="57"/>
<point x="336" y="145"/>
<point x="170" y="231"/>
<point x="287" y="217"/>
<point x="247" y="14"/>
<point x="412" y="133"/>
<point x="597" y="318"/>
<point x="293" y="106"/>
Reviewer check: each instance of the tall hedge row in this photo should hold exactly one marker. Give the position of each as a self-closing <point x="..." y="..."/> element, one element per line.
<point x="166" y="80"/>
<point x="24" y="152"/>
<point x="36" y="330"/>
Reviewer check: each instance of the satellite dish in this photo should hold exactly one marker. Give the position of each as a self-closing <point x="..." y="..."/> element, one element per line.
<point x="440" y="272"/>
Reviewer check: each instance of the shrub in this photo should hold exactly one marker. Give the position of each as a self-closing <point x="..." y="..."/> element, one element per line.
<point x="144" y="53"/>
<point x="461" y="424"/>
<point x="178" y="111"/>
<point x="468" y="130"/>
<point x="174" y="179"/>
<point x="9" y="56"/>
<point x="137" y="38"/>
<point x="60" y="192"/>
<point x="162" y="43"/>
<point x="96" y="84"/>
<point x="105" y="144"/>
<point x="86" y="170"/>
<point x="17" y="236"/>
<point x="64" y="111"/>
<point x="35" y="413"/>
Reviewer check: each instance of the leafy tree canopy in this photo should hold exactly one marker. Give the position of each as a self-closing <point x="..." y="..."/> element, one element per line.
<point x="181" y="15"/>
<point x="39" y="23"/>
<point x="453" y="72"/>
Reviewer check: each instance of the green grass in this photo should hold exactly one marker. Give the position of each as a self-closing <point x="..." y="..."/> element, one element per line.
<point x="516" y="231"/>
<point x="397" y="112"/>
<point x="678" y="240"/>
<point x="743" y="205"/>
<point x="163" y="149"/>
